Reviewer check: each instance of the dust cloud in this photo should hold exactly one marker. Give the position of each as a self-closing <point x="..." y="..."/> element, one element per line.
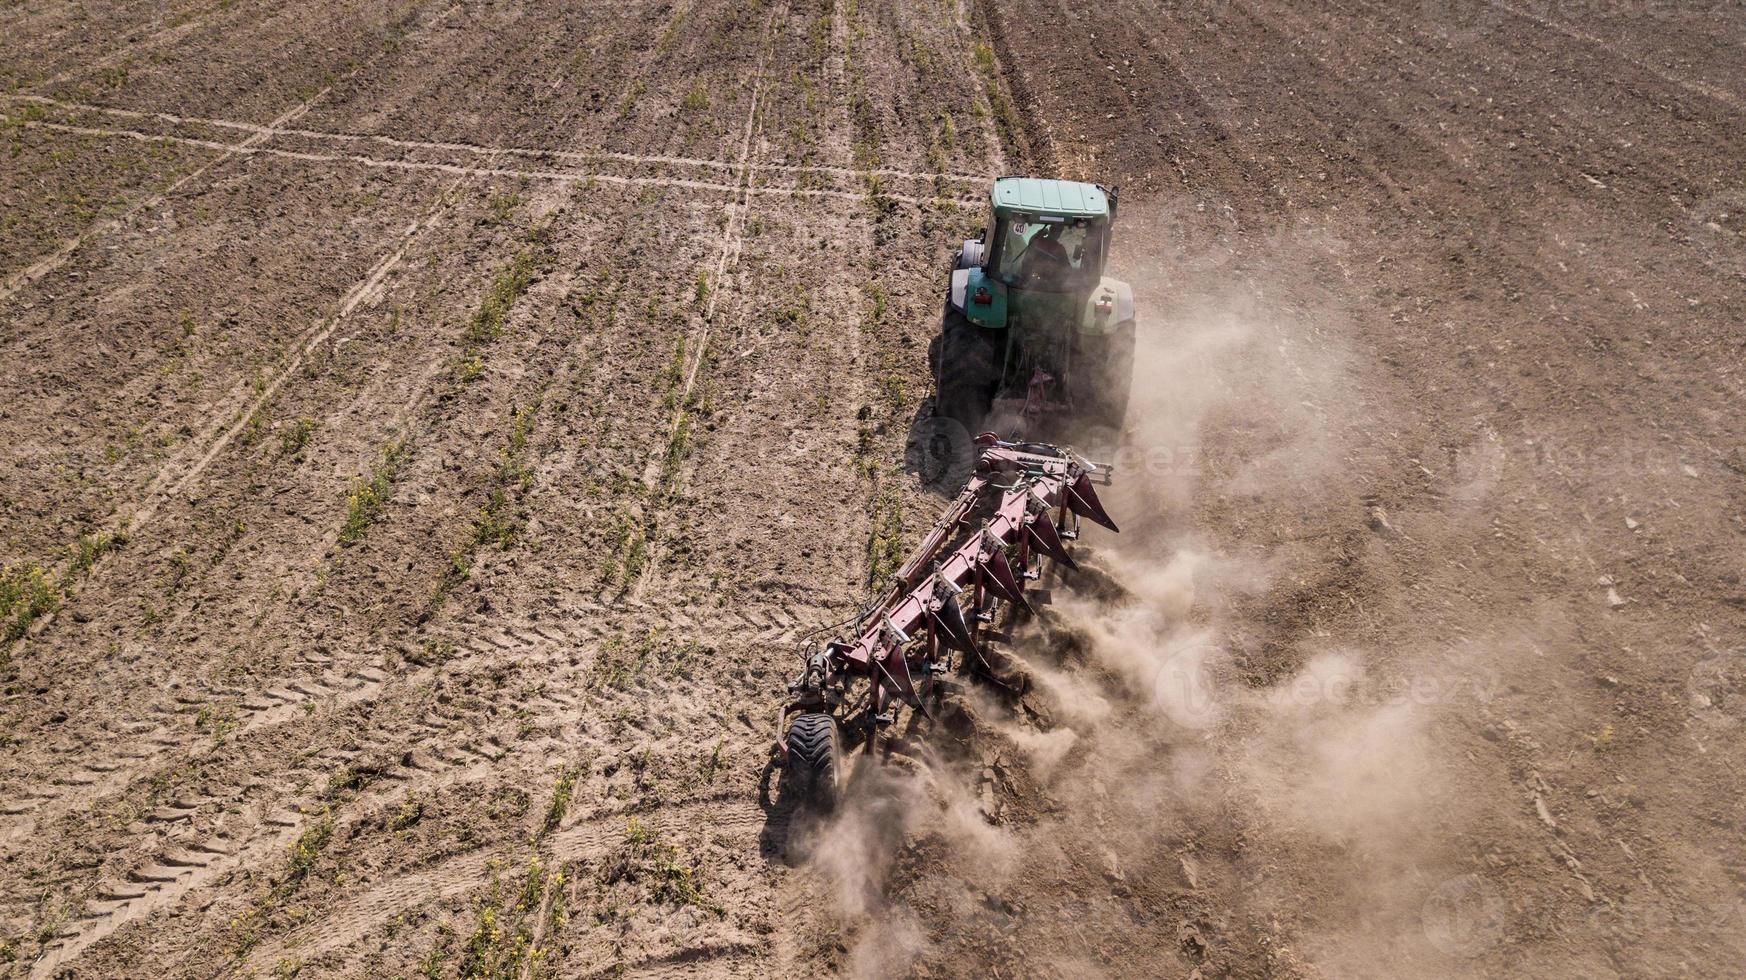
<point x="1328" y="769"/>
<point x="1153" y="755"/>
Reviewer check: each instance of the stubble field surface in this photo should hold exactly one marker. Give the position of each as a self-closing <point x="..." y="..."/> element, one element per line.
<point x="427" y="428"/>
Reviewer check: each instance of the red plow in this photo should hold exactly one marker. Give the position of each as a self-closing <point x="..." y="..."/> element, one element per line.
<point x="1023" y="504"/>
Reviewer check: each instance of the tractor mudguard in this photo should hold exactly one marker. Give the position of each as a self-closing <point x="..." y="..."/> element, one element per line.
<point x="969" y="257"/>
<point x="1111" y="303"/>
<point x="967" y="286"/>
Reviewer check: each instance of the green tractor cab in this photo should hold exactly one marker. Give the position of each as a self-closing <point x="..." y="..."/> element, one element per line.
<point x="1034" y="333"/>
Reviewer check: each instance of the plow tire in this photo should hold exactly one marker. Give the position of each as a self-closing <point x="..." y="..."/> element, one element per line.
<point x="968" y="371"/>
<point x="814" y="761"/>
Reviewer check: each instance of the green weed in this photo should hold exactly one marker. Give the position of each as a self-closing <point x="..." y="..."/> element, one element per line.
<point x="650" y="860"/>
<point x="885" y="542"/>
<point x="27" y="593"/>
<point x="369" y="494"/>
<point x="411" y="811"/>
<point x="499" y="520"/>
<point x="90" y="548"/>
<point x="296" y="436"/>
<point x="503" y="205"/>
<point x="713" y="766"/>
<point x="561" y="790"/>
<point x="217" y="721"/>
<point x="1006" y="119"/>
<point x="510" y="924"/>
<point x="487" y="323"/>
<point x="304" y="855"/>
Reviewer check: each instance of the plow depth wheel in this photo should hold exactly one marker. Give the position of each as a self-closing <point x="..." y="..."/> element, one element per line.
<point x="814" y="761"/>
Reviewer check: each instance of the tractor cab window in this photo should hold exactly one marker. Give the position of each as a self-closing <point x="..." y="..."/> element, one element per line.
<point x="1052" y="254"/>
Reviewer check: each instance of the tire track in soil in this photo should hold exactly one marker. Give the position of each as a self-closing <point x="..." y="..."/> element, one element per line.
<point x="582" y="156"/>
<point x="486" y="646"/>
<point x="776" y="626"/>
<point x="273" y="832"/>
<point x="159" y="885"/>
<point x="446" y="749"/>
<point x="731" y="816"/>
<point x="488" y="641"/>
<point x="265" y="707"/>
<point x="226" y="151"/>
<point x="366" y="290"/>
<point x="131" y="905"/>
<point x="732" y="960"/>
<point x="732" y="242"/>
<point x="589" y="619"/>
<point x="779" y="625"/>
<point x="559" y="176"/>
<point x="361" y="680"/>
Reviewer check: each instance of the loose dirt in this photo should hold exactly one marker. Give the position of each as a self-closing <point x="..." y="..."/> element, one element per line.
<point x="430" y="427"/>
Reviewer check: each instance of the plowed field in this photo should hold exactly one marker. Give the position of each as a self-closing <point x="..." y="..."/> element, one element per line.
<point x="428" y="428"/>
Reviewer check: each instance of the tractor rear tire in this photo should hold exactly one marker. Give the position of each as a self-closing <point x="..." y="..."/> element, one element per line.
<point x="815" y="770"/>
<point x="1119" y="375"/>
<point x="967" y="375"/>
<point x="1103" y="377"/>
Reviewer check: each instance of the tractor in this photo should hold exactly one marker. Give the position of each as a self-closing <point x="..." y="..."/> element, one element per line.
<point x="1034" y="334"/>
<point x="1035" y="340"/>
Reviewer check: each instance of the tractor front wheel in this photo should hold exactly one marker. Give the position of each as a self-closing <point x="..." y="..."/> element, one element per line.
<point x="815" y="771"/>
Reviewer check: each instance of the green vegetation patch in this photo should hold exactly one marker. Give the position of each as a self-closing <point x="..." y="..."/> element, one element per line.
<point x="27" y="593"/>
<point x="369" y="494"/>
